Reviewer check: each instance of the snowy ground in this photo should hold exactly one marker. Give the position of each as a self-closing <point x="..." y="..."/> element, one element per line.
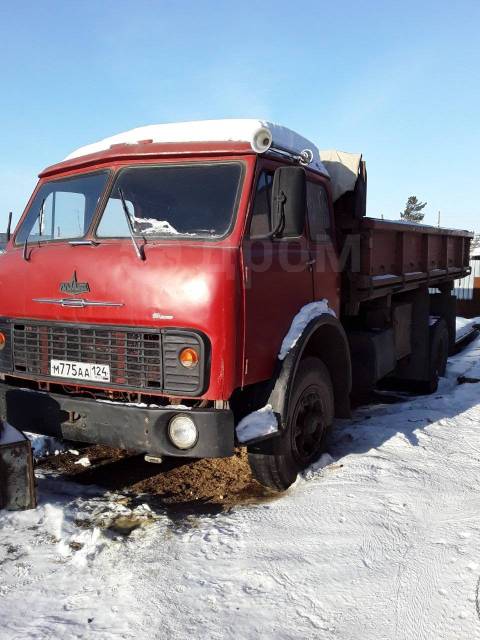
<point x="381" y="543"/>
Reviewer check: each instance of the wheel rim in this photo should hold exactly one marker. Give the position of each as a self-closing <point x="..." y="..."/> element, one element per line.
<point x="308" y="426"/>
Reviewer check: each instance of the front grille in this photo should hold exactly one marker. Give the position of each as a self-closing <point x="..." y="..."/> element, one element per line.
<point x="139" y="359"/>
<point x="133" y="355"/>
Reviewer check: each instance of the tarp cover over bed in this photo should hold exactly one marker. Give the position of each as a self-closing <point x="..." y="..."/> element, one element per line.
<point x="343" y="169"/>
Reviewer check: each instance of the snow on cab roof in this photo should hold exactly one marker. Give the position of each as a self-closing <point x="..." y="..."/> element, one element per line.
<point x="260" y="134"/>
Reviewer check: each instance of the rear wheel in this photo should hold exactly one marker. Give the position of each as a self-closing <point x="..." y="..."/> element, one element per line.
<point x="438" y="356"/>
<point x="310" y="414"/>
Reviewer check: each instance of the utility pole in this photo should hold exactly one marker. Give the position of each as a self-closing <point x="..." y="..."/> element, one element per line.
<point x="439" y="218"/>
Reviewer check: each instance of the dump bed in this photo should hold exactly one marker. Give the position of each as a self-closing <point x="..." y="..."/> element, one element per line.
<point x="398" y="255"/>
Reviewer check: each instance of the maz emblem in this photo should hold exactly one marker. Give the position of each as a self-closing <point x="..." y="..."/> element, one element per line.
<point x="74" y="287"/>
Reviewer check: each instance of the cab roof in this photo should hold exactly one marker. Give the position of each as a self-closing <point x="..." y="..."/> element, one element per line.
<point x="201" y="136"/>
<point x="145" y="149"/>
<point x="215" y="137"/>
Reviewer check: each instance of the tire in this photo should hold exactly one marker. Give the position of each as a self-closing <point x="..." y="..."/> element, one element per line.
<point x="438" y="356"/>
<point x="310" y="414"/>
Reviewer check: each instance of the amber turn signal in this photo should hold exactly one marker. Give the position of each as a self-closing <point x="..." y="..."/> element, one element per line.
<point x="188" y="357"/>
<point x="3" y="340"/>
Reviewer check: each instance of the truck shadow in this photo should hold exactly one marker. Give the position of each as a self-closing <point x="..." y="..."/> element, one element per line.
<point x="392" y="413"/>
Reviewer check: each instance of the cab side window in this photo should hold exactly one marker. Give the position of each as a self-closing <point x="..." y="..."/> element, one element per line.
<point x="318" y="212"/>
<point x="261" y="222"/>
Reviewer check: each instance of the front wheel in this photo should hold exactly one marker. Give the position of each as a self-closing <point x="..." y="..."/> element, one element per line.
<point x="310" y="415"/>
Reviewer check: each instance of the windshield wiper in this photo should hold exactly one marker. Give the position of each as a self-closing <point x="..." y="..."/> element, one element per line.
<point x="140" y="251"/>
<point x="26" y="257"/>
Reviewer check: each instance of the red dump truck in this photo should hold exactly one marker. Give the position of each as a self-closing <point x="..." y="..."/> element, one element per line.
<point x="179" y="289"/>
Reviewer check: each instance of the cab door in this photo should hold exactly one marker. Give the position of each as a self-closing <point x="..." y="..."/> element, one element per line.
<point x="324" y="256"/>
<point x="277" y="280"/>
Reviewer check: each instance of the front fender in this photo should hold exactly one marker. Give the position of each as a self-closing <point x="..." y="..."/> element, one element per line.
<point x="325" y="338"/>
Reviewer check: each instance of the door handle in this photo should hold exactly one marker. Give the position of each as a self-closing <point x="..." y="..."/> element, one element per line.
<point x="311" y="262"/>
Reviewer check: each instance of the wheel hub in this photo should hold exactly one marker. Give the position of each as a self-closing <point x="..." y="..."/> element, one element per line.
<point x="308" y="426"/>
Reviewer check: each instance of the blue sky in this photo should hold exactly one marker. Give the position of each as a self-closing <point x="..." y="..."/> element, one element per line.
<point x="398" y="81"/>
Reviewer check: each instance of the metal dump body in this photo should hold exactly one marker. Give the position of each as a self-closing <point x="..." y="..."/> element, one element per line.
<point x="398" y="255"/>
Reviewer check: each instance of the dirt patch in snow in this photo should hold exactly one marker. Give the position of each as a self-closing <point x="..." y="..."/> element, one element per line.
<point x="174" y="483"/>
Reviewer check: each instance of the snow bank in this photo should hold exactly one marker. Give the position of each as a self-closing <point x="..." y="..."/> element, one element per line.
<point x="300" y="321"/>
<point x="464" y="326"/>
<point x="257" y="424"/>
<point x="260" y="134"/>
<point x="312" y="471"/>
<point x="44" y="445"/>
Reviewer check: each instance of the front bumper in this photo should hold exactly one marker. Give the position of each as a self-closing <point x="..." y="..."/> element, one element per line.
<point x="134" y="428"/>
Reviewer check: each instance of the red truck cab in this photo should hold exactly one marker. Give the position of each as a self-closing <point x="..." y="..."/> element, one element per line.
<point x="150" y="284"/>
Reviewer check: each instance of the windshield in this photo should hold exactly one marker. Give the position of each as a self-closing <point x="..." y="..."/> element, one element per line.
<point x="63" y="209"/>
<point x="169" y="201"/>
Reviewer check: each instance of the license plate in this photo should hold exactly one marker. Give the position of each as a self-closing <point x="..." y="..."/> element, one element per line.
<point x="80" y="370"/>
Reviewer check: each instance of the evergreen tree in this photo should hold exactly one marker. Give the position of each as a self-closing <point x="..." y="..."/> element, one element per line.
<point x="413" y="211"/>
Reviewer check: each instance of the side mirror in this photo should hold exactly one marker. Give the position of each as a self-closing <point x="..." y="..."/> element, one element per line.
<point x="289" y="201"/>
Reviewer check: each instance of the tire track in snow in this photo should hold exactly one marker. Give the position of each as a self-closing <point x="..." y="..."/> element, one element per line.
<point x="420" y="567"/>
<point x="435" y="513"/>
<point x="477" y="598"/>
<point x="417" y="578"/>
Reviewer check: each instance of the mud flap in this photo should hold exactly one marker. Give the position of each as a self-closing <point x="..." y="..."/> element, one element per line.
<point x="17" y="483"/>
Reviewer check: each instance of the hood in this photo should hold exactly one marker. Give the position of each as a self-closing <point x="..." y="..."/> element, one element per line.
<point x="178" y="285"/>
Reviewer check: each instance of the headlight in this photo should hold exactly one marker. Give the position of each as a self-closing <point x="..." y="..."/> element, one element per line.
<point x="3" y="340"/>
<point x="182" y="431"/>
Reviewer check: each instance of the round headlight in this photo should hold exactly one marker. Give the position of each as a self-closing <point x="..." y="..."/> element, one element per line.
<point x="183" y="432"/>
<point x="3" y="340"/>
